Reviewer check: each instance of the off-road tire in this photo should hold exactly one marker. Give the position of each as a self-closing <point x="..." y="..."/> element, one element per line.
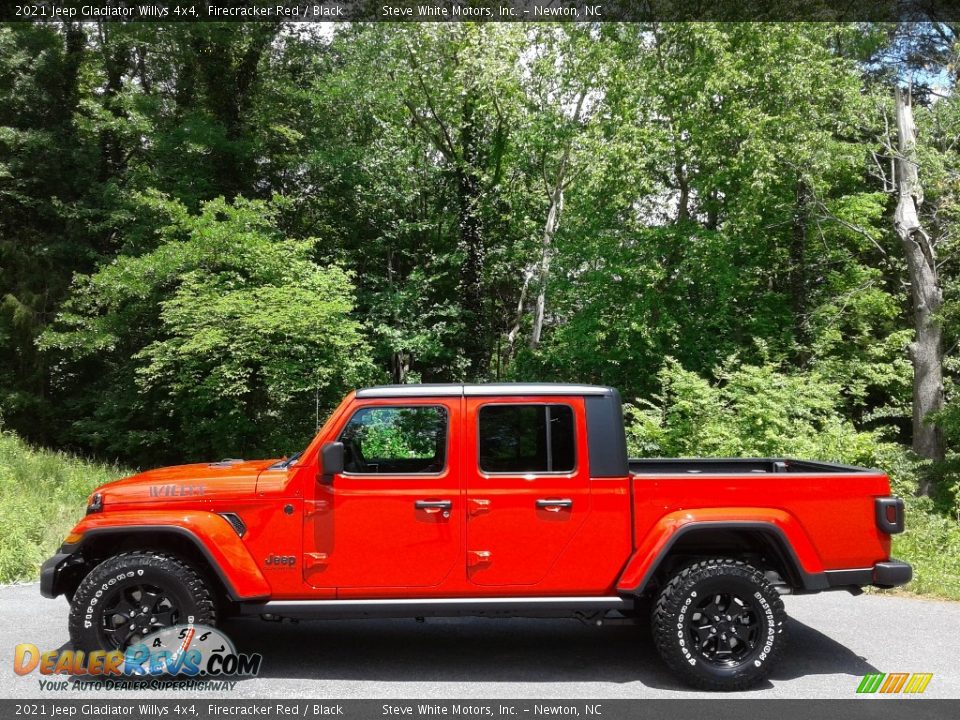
<point x="186" y="588"/>
<point x="676" y="615"/>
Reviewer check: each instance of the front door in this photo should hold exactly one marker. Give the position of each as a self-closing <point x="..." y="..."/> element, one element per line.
<point x="393" y="518"/>
<point x="528" y="486"/>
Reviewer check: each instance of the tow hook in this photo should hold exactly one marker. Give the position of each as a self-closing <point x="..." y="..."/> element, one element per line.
<point x="590" y="618"/>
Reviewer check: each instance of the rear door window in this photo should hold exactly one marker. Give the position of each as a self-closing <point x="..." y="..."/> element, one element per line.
<point x="527" y="439"/>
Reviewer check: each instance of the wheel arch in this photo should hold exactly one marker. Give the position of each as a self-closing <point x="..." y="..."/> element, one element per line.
<point x="736" y="538"/>
<point x="98" y="544"/>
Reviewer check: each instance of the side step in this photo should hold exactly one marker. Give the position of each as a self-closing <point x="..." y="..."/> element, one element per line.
<point x="437" y="607"/>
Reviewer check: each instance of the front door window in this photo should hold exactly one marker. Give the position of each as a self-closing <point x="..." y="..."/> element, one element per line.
<point x="396" y="440"/>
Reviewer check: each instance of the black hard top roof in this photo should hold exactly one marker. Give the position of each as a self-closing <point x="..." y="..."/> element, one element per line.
<point x="481" y="389"/>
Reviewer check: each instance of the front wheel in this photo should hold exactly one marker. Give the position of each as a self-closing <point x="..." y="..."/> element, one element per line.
<point x="133" y="594"/>
<point x="720" y="625"/>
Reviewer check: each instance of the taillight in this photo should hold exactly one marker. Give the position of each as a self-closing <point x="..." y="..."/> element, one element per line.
<point x="889" y="514"/>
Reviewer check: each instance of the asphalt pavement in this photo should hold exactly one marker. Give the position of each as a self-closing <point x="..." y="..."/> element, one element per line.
<point x="835" y="639"/>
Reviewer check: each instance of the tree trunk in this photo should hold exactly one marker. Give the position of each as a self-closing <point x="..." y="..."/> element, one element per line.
<point x="400" y="359"/>
<point x="683" y="187"/>
<point x="546" y="256"/>
<point x="798" y="267"/>
<point x="229" y="67"/>
<point x="926" y="351"/>
<point x="553" y="222"/>
<point x="471" y="245"/>
<point x="400" y="366"/>
<point x="518" y="316"/>
<point x="116" y="59"/>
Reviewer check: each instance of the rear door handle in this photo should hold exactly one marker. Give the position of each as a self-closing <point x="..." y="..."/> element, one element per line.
<point x="551" y="504"/>
<point x="433" y="504"/>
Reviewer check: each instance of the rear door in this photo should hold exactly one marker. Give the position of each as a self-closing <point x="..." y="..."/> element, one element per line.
<point x="393" y="518"/>
<point x="527" y="485"/>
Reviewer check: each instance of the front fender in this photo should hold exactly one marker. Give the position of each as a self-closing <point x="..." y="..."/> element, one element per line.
<point x="655" y="546"/>
<point x="211" y="534"/>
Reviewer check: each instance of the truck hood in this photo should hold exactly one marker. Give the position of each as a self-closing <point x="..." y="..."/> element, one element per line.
<point x="199" y="481"/>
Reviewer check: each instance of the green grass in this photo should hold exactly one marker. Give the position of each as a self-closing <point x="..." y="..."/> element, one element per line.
<point x="931" y="543"/>
<point x="42" y="495"/>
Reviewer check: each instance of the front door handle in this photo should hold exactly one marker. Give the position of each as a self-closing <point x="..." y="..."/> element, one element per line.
<point x="554" y="505"/>
<point x="434" y="506"/>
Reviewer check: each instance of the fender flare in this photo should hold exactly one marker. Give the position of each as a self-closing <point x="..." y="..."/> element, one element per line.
<point x="209" y="533"/>
<point x="641" y="568"/>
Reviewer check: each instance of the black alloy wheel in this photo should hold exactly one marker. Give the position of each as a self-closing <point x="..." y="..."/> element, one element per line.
<point x="725" y="628"/>
<point x="132" y="612"/>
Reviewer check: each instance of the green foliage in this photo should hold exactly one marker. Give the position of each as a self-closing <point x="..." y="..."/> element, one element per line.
<point x="741" y="212"/>
<point x="940" y="124"/>
<point x="931" y="543"/>
<point x="754" y="411"/>
<point x="713" y="181"/>
<point x="209" y="232"/>
<point x="42" y="493"/>
<point x="221" y="340"/>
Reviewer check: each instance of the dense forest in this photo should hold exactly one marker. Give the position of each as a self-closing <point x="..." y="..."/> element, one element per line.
<point x="208" y="233"/>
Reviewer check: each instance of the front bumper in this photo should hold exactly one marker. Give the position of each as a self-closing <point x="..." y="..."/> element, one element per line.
<point x="887" y="574"/>
<point x="58" y="575"/>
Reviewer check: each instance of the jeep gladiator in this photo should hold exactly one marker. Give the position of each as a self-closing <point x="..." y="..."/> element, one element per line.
<point x="484" y="500"/>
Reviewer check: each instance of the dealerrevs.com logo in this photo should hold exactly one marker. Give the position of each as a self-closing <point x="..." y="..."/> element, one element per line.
<point x="182" y="651"/>
<point x="894" y="683"/>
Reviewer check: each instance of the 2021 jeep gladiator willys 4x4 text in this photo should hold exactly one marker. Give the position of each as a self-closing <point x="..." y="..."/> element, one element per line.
<point x="492" y="500"/>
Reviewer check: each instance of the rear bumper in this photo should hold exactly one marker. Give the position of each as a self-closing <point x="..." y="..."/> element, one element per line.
<point x="888" y="574"/>
<point x="892" y="573"/>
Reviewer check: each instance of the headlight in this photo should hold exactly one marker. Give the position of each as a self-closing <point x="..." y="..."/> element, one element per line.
<point x="96" y="503"/>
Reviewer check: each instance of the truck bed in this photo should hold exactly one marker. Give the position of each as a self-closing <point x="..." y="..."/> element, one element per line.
<point x="735" y="466"/>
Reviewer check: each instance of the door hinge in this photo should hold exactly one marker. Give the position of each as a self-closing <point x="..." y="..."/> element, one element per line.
<point x="315" y="507"/>
<point x="478" y="506"/>
<point x="314" y="560"/>
<point x="478" y="557"/>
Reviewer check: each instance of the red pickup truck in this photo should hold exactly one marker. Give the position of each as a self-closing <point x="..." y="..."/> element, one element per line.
<point x="489" y="500"/>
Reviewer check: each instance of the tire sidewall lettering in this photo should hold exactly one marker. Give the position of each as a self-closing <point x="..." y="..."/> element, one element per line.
<point x="681" y="628"/>
<point x="770" y="626"/>
<point x="88" y="614"/>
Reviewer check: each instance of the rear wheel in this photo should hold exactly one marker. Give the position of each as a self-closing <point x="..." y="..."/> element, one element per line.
<point x="720" y="625"/>
<point x="131" y="595"/>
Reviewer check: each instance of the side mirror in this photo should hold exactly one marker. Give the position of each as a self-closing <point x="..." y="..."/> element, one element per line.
<point x="331" y="462"/>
